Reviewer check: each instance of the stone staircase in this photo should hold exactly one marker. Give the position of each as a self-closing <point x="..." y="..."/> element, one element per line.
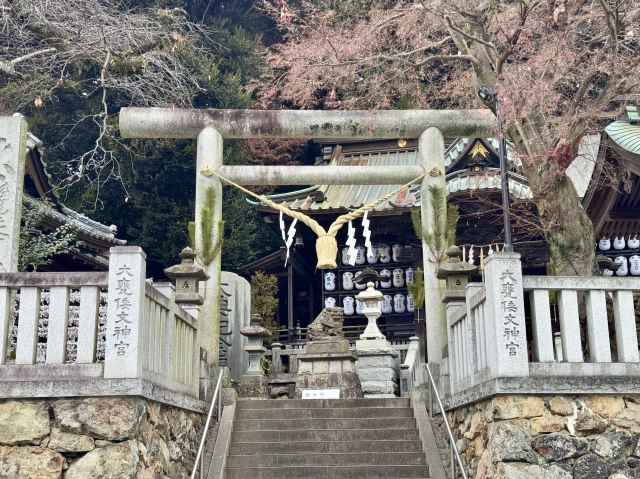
<point x="328" y="439"/>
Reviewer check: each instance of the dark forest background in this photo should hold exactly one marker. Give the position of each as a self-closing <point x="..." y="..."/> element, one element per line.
<point x="151" y="198"/>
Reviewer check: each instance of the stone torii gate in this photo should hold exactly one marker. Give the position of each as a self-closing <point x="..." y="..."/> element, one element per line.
<point x="211" y="127"/>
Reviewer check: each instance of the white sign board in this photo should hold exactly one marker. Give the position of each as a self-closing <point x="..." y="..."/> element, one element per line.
<point x="321" y="394"/>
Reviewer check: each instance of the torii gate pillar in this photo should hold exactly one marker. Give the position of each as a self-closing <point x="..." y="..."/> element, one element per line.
<point x="431" y="154"/>
<point x="209" y="233"/>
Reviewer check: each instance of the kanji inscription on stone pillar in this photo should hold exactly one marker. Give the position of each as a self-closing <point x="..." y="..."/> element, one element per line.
<point x="505" y="304"/>
<point x="126" y="293"/>
<point x="13" y="137"/>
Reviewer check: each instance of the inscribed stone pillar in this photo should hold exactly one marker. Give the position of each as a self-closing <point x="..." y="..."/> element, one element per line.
<point x="208" y="236"/>
<point x="431" y="154"/>
<point x="125" y="312"/>
<point x="507" y="331"/>
<point x="238" y="293"/>
<point x="13" y="146"/>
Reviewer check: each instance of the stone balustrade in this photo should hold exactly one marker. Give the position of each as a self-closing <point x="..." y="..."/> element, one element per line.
<point x="597" y="292"/>
<point x="468" y="340"/>
<point x="150" y="343"/>
<point x="19" y="345"/>
<point x="541" y="335"/>
<point x="410" y="370"/>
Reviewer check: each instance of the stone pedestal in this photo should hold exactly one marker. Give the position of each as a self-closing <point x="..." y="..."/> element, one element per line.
<point x="378" y="365"/>
<point x="252" y="386"/>
<point x="328" y="364"/>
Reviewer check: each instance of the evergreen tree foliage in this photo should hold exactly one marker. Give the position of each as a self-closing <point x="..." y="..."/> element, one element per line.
<point x="37" y="248"/>
<point x="149" y="191"/>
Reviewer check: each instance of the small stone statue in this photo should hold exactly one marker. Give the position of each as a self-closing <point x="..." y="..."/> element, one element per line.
<point x="328" y="325"/>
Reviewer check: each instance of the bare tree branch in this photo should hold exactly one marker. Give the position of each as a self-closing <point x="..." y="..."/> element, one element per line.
<point x="444" y="58"/>
<point x="9" y="67"/>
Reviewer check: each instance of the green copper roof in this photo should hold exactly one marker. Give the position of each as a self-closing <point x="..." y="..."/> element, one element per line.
<point x="330" y="198"/>
<point x="625" y="135"/>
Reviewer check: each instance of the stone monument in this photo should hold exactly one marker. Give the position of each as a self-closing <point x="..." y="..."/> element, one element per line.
<point x="378" y="362"/>
<point x="327" y="368"/>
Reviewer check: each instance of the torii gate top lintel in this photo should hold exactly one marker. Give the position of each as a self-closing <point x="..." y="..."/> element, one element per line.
<point x="303" y="124"/>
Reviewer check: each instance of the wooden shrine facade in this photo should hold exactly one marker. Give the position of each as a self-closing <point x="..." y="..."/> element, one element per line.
<point x="473" y="185"/>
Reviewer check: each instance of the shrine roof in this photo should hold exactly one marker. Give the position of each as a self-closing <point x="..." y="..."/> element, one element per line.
<point x="460" y="156"/>
<point x="94" y="237"/>
<point x="614" y="208"/>
<point x="624" y="136"/>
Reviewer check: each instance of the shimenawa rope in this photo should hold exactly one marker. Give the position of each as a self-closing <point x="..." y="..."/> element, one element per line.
<point x="326" y="245"/>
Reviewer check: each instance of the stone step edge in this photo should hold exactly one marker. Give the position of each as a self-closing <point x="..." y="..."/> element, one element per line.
<point x="318" y="403"/>
<point x="413" y="429"/>
<point x="373" y="466"/>
<point x="324" y="453"/>
<point x="367" y="408"/>
<point x="361" y="408"/>
<point x="285" y="430"/>
<point x="244" y="400"/>
<point x="322" y="418"/>
<point x="239" y="443"/>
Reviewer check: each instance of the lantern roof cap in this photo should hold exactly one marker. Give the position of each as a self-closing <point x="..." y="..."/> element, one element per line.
<point x="255" y="330"/>
<point x="187" y="267"/>
<point x="454" y="266"/>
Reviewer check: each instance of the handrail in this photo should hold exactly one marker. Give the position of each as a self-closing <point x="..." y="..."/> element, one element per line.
<point x="217" y="398"/>
<point x="455" y="454"/>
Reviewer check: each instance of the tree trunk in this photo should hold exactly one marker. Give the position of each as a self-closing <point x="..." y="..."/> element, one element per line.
<point x="566" y="225"/>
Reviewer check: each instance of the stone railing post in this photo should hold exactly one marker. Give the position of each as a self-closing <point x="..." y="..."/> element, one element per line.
<point x="13" y="145"/>
<point x="125" y="312"/>
<point x="276" y="358"/>
<point x="456" y="273"/>
<point x="407" y="369"/>
<point x="506" y="328"/>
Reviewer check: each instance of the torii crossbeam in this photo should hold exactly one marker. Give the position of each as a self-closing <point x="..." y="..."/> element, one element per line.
<point x="211" y="127"/>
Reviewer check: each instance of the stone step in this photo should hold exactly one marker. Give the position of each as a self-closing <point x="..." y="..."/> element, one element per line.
<point x="329" y="472"/>
<point x="326" y="435"/>
<point x="332" y="423"/>
<point x="332" y="459"/>
<point x="324" y="447"/>
<point x="322" y="413"/>
<point x="245" y="404"/>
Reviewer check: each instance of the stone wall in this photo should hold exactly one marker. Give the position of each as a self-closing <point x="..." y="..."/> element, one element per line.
<point x="99" y="438"/>
<point x="527" y="437"/>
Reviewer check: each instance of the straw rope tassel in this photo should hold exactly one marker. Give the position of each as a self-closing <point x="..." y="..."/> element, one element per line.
<point x="326" y="244"/>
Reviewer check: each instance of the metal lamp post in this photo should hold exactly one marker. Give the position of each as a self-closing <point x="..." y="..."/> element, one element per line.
<point x="490" y="98"/>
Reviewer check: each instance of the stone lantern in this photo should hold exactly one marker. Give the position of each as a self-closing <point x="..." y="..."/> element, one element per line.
<point x="378" y="362"/>
<point x="371" y="300"/>
<point x="456" y="273"/>
<point x="187" y="276"/>
<point x="255" y="348"/>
